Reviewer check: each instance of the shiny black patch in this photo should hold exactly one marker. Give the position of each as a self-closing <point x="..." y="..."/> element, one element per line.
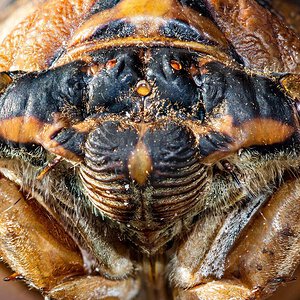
<point x="213" y="142"/>
<point x="111" y="88"/>
<point x="42" y="94"/>
<point x="114" y="29"/>
<point x="176" y="86"/>
<point x="245" y="97"/>
<point x="108" y="148"/>
<point x="179" y="30"/>
<point x="197" y="5"/>
<point x="265" y="3"/>
<point x="171" y="148"/>
<point x="71" y="140"/>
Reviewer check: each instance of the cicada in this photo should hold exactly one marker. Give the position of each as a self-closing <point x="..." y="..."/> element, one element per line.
<point x="149" y="149"/>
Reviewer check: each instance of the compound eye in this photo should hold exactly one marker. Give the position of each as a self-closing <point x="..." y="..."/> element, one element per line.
<point x="93" y="69"/>
<point x="176" y="65"/>
<point x="5" y="80"/>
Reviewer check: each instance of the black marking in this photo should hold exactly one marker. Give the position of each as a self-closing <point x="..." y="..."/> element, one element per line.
<point x="108" y="148"/>
<point x="213" y="142"/>
<point x="102" y="5"/>
<point x="176" y="86"/>
<point x="171" y="148"/>
<point x="71" y="140"/>
<point x="180" y="30"/>
<point x="114" y="29"/>
<point x="214" y="262"/>
<point x="112" y="90"/>
<point x="107" y="87"/>
<point x="265" y="3"/>
<point x="255" y="96"/>
<point x="197" y="5"/>
<point x="40" y="95"/>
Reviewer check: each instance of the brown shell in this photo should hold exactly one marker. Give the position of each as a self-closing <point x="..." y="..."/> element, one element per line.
<point x="55" y="27"/>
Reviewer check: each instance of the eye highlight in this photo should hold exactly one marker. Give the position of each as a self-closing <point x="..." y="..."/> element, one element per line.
<point x="176" y="65"/>
<point x="297" y="106"/>
<point x="93" y="70"/>
<point x="110" y="64"/>
<point x="143" y="88"/>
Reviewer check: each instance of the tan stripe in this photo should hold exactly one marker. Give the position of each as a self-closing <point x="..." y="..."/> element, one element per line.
<point x="82" y="51"/>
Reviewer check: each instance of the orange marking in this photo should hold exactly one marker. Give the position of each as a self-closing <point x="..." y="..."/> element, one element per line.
<point x="147" y="16"/>
<point x="49" y="167"/>
<point x="176" y="65"/>
<point x="21" y="129"/>
<point x="256" y="132"/>
<point x="110" y="64"/>
<point x="140" y="164"/>
<point x="31" y="130"/>
<point x="13" y="277"/>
